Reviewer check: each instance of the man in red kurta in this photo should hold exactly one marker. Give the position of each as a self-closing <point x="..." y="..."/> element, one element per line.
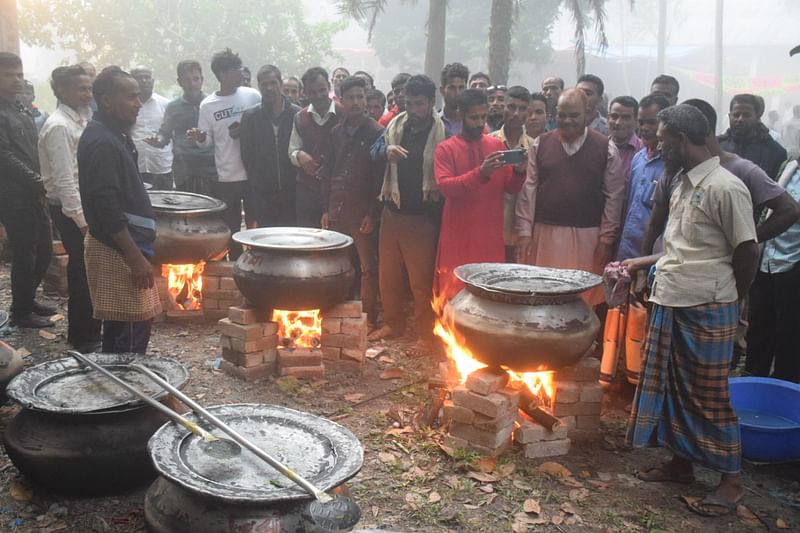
<point x="472" y="177"/>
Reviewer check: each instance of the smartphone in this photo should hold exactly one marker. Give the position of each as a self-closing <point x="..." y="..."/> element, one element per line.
<point x="513" y="157"/>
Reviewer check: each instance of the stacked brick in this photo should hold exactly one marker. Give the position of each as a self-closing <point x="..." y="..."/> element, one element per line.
<point x="344" y="333"/>
<point x="219" y="290"/>
<point x="249" y="344"/>
<point x="303" y="363"/>
<point x="482" y="413"/>
<point x="578" y="395"/>
<point x="538" y="441"/>
<point x="55" y="279"/>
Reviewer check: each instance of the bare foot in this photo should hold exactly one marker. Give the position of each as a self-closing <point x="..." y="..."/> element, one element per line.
<point x="676" y="471"/>
<point x="424" y="347"/>
<point x="386" y="332"/>
<point x="723" y="499"/>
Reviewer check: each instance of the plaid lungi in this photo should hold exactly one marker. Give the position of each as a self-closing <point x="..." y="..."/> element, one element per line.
<point x="114" y="297"/>
<point x="682" y="401"/>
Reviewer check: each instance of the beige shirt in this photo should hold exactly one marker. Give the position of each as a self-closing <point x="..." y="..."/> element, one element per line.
<point x="58" y="157"/>
<point x="710" y="214"/>
<point x="510" y="236"/>
<point x="613" y="190"/>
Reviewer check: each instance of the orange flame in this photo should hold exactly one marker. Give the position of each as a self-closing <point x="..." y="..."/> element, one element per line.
<point x="299" y="329"/>
<point x="185" y="284"/>
<point x="541" y="384"/>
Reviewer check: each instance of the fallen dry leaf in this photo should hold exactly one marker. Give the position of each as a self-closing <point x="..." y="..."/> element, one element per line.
<point x="571" y="482"/>
<point x="568" y="508"/>
<point x="519" y="527"/>
<point x="471" y="506"/>
<point x="505" y="470"/>
<point x="386" y="359"/>
<point x="200" y="396"/>
<point x="452" y="482"/>
<point x="392" y="373"/>
<point x="20" y="491"/>
<point x="557" y="519"/>
<point x="578" y="495"/>
<point x="434" y="497"/>
<point x="372" y="352"/>
<point x="56" y="318"/>
<point x="375" y="510"/>
<point x="531" y="506"/>
<point x="354" y="397"/>
<point x="414" y="473"/>
<point x="387" y="457"/>
<point x="182" y="334"/>
<point x="43" y="333"/>
<point x="597" y="484"/>
<point x="780" y="523"/>
<point x="555" y="469"/>
<point x="399" y="431"/>
<point x="489" y="499"/>
<point x="486" y="464"/>
<point x="746" y="515"/>
<point x="448" y="450"/>
<point x="488" y="489"/>
<point x="483" y="477"/>
<point x="689" y="500"/>
<point x="521" y="485"/>
<point x="23" y="352"/>
<point x="585" y="474"/>
<point x="572" y="520"/>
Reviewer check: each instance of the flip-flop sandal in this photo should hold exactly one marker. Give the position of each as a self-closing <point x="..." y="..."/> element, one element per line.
<point x="725" y="506"/>
<point x="661" y="474"/>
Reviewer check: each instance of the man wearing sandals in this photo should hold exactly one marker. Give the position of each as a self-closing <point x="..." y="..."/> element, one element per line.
<point x="710" y="253"/>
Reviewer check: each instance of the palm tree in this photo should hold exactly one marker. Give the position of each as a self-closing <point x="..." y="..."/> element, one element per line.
<point x="581" y="11"/>
<point x="501" y="25"/>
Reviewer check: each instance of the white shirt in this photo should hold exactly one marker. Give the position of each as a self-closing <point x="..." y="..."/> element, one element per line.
<point x="217" y="113"/>
<point x="58" y="157"/>
<point x="152" y="160"/>
<point x="296" y="142"/>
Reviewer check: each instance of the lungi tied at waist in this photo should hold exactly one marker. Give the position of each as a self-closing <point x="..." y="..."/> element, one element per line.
<point x="114" y="295"/>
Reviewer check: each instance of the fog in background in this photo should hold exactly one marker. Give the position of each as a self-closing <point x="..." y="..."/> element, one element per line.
<point x="757" y="38"/>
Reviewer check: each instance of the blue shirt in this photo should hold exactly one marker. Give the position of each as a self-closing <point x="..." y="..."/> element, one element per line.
<point x="782" y="253"/>
<point x="644" y="176"/>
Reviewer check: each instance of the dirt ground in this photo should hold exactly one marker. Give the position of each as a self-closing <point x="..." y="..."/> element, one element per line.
<point x="408" y="483"/>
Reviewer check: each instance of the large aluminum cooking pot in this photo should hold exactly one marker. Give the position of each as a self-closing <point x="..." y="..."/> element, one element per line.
<point x="294" y="268"/>
<point x="189" y="227"/>
<point x="523" y="317"/>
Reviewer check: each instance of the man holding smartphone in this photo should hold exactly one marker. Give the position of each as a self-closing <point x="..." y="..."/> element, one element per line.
<point x="218" y="125"/>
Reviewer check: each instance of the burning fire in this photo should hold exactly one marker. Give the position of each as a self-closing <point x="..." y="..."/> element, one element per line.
<point x="299" y="329"/>
<point x="185" y="284"/>
<point x="539" y="383"/>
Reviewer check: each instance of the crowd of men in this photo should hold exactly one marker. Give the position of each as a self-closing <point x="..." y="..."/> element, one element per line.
<point x="641" y="182"/>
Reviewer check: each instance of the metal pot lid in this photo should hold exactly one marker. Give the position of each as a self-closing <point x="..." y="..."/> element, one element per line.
<point x="179" y="202"/>
<point x="514" y="279"/>
<point x="293" y="239"/>
<point x="64" y="386"/>
<point x="324" y="452"/>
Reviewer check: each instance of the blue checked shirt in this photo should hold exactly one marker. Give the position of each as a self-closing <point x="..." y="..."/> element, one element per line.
<point x="782" y="253"/>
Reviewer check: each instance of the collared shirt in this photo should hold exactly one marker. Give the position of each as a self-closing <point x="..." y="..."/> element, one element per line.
<point x="613" y="190"/>
<point x="180" y="116"/>
<point x="599" y="124"/>
<point x="646" y="169"/>
<point x="451" y="127"/>
<point x="710" y="215"/>
<point x="58" y="154"/>
<point x="627" y="150"/>
<point x="510" y="200"/>
<point x="296" y="142"/>
<point x="782" y="253"/>
<point x="152" y="160"/>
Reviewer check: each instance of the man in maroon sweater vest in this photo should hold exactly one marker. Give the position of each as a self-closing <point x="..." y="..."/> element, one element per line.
<point x="310" y="141"/>
<point x="568" y="213"/>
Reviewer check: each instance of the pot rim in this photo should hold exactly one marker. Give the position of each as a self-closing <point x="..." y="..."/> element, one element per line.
<point x="218" y="207"/>
<point x="339" y="241"/>
<point x="572" y="281"/>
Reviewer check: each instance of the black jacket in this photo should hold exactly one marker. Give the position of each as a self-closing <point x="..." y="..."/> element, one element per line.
<point x="20" y="180"/>
<point x="760" y="148"/>
<point x="265" y="156"/>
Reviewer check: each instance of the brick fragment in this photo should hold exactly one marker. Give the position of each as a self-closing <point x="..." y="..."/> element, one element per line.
<point x="243" y="359"/>
<point x="331" y="325"/>
<point x="567" y="392"/>
<point x="354" y="326"/>
<point x="490" y="405"/>
<point x="549" y="448"/>
<point x="461" y="444"/>
<point x="592" y="392"/>
<point x="219" y="268"/>
<point x="243" y="346"/>
<point x="579" y="408"/>
<point x="529" y="431"/>
<point x="497" y="423"/>
<point x="331" y="353"/>
<point x="348" y="309"/>
<point x="299" y="357"/>
<point x="341" y="340"/>
<point x="487" y="380"/>
<point x="246" y="332"/>
<point x="247" y="373"/>
<point x="488" y="439"/>
<point x="243" y="314"/>
<point x="356" y="354"/>
<point x="456" y="413"/>
<point x="304" y="372"/>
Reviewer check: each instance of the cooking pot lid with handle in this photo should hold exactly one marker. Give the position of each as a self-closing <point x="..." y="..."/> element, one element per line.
<point x="290" y="238"/>
<point x="64" y="386"/>
<point x="514" y="279"/>
<point x="179" y="202"/>
<point x="322" y="451"/>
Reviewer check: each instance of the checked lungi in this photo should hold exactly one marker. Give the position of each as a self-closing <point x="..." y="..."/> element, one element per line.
<point x="682" y="402"/>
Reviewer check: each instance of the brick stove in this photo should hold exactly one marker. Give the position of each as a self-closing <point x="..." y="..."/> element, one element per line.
<point x="488" y="413"/>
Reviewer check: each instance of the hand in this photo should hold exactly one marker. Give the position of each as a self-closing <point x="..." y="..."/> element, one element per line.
<point x="154" y="140"/>
<point x="522" y="167"/>
<point x="196" y="134"/>
<point x="395" y="153"/>
<point x="491" y="163"/>
<point x="602" y="256"/>
<point x="142" y="272"/>
<point x="235" y="130"/>
<point x="367" y="224"/>
<point x="309" y="165"/>
<point x="524" y="249"/>
<point x="324" y="222"/>
<point x="635" y="264"/>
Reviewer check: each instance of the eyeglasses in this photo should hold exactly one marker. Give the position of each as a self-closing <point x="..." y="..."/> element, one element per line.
<point x="495" y="88"/>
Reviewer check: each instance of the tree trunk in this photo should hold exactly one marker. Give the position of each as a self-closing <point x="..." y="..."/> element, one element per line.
<point x="501" y="21"/>
<point x="434" y="46"/>
<point x="9" y="30"/>
<point x="718" y="60"/>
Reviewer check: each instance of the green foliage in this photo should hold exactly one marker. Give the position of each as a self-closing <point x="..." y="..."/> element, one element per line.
<point x="399" y="36"/>
<point x="159" y="33"/>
